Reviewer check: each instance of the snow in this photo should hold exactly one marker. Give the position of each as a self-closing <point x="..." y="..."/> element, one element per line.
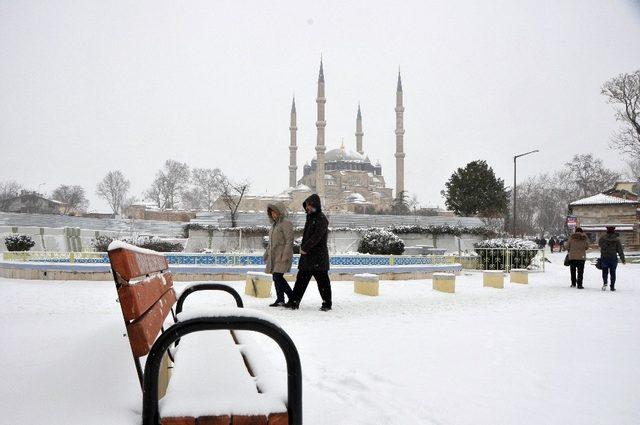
<point x="602" y="199"/>
<point x="219" y="311"/>
<point x="116" y="244"/>
<point x="541" y="353"/>
<point x="205" y="363"/>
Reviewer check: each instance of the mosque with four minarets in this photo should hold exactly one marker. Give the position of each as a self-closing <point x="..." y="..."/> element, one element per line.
<point x="350" y="181"/>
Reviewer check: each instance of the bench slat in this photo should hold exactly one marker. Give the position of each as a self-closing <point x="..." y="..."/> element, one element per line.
<point x="214" y="420"/>
<point x="131" y="264"/>
<point x="273" y="419"/>
<point x="143" y="332"/>
<point x="137" y="298"/>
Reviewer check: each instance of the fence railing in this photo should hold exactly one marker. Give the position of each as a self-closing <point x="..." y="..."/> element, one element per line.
<point x="503" y="259"/>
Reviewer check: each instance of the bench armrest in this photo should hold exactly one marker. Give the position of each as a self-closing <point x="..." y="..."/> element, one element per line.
<point x="224" y="319"/>
<point x="207" y="287"/>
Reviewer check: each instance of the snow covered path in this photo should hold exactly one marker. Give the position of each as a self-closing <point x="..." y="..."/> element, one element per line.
<point x="540" y="353"/>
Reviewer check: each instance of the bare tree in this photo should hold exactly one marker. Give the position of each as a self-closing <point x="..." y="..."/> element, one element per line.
<point x="72" y="197"/>
<point x="168" y="184"/>
<point x="542" y="204"/>
<point x="192" y="199"/>
<point x="624" y="92"/>
<point x="113" y="188"/>
<point x="8" y="190"/>
<point x="208" y="181"/>
<point x="633" y="170"/>
<point x="231" y="195"/>
<point x="586" y="176"/>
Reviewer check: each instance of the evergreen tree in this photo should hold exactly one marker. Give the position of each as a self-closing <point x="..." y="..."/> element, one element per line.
<point x="475" y="190"/>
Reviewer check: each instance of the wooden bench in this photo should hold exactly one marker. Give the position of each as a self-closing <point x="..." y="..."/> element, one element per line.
<point x="366" y="284"/>
<point x="444" y="282"/>
<point x="193" y="377"/>
<point x="493" y="279"/>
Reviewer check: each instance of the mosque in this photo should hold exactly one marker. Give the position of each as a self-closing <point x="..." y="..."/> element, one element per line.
<point x="350" y="181"/>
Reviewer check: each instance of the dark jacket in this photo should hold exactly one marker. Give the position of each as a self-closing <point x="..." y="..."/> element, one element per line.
<point x="577" y="245"/>
<point x="610" y="246"/>
<point x="314" y="238"/>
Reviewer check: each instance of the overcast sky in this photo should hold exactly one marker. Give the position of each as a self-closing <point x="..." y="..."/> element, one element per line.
<point x="91" y="86"/>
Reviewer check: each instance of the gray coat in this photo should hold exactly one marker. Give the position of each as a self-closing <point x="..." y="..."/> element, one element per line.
<point x="279" y="253"/>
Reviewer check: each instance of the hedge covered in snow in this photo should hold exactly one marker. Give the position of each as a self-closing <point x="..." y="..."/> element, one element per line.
<point x="381" y="242"/>
<point x="101" y="243"/>
<point x="19" y="243"/>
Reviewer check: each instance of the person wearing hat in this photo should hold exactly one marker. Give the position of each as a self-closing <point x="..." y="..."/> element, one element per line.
<point x="577" y="247"/>
<point x="279" y="253"/>
<point x="610" y="249"/>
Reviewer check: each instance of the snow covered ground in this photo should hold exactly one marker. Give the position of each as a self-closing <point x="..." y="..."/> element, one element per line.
<point x="529" y="354"/>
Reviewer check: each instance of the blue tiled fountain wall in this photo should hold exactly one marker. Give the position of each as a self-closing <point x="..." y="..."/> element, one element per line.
<point x="252" y="260"/>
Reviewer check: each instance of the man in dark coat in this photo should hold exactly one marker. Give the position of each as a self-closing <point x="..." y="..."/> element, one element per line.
<point x="610" y="249"/>
<point x="314" y="255"/>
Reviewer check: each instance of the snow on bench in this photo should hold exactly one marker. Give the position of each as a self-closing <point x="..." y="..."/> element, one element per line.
<point x="366" y="284"/>
<point x="519" y="276"/>
<point x="444" y="282"/>
<point x="205" y="367"/>
<point x="493" y="279"/>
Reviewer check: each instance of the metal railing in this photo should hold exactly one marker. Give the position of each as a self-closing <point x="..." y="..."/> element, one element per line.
<point x="503" y="259"/>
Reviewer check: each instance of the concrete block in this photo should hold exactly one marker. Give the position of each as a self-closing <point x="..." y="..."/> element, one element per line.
<point x="493" y="279"/>
<point x="366" y="284"/>
<point x="444" y="282"/>
<point x="519" y="276"/>
<point x="258" y="285"/>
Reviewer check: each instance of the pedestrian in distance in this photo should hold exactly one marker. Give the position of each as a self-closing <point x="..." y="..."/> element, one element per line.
<point x="577" y="247"/>
<point x="610" y="249"/>
<point x="279" y="253"/>
<point x="314" y="255"/>
<point x="552" y="243"/>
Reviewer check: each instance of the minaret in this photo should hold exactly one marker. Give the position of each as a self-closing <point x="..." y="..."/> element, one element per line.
<point x="359" y="132"/>
<point x="320" y="125"/>
<point x="293" y="146"/>
<point x="399" y="140"/>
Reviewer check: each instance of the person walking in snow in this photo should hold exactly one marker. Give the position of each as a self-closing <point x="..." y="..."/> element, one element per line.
<point x="577" y="247"/>
<point x="552" y="243"/>
<point x="279" y="253"/>
<point x="314" y="255"/>
<point x="610" y="249"/>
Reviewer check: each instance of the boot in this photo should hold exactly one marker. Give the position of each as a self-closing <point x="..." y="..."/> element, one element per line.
<point x="292" y="304"/>
<point x="612" y="287"/>
<point x="278" y="303"/>
<point x="604" y="286"/>
<point x="325" y="307"/>
<point x="573" y="285"/>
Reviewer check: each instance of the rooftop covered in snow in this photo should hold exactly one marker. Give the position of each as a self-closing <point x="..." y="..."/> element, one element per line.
<point x="602" y="199"/>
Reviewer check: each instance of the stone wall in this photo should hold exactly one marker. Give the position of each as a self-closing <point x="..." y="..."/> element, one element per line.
<point x="64" y="239"/>
<point x="342" y="241"/>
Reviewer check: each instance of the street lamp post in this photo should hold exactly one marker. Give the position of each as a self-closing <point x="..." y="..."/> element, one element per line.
<point x="513" y="230"/>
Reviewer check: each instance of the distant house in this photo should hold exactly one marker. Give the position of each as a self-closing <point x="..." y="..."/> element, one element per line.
<point x="624" y="190"/>
<point x="34" y="203"/>
<point x="597" y="212"/>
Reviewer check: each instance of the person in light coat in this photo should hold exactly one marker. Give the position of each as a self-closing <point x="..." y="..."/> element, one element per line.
<point x="577" y="247"/>
<point x="279" y="253"/>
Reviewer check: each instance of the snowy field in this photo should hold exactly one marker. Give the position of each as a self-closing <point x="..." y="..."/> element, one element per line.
<point x="541" y="353"/>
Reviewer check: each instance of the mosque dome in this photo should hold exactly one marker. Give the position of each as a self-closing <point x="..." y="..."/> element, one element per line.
<point x="356" y="198"/>
<point x="341" y="154"/>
